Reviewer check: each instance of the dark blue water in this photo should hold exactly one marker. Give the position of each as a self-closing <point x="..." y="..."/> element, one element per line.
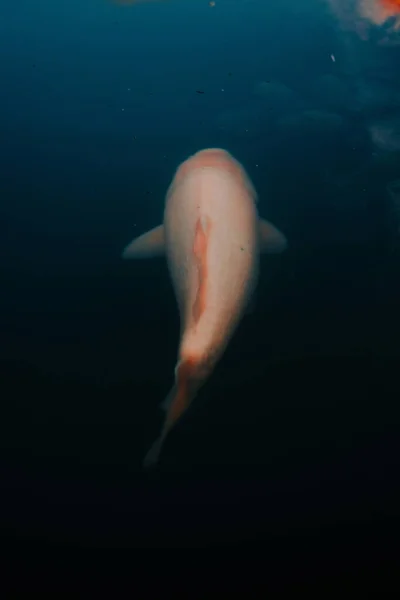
<point x="99" y="104"/>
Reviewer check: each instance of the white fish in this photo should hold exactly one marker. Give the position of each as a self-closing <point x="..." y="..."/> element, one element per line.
<point x="212" y="238"/>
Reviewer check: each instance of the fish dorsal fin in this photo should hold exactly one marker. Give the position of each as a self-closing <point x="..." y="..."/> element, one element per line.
<point x="272" y="240"/>
<point x="147" y="245"/>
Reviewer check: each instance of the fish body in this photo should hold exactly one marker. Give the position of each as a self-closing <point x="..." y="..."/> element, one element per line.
<point x="390" y="5"/>
<point x="212" y="238"/>
<point x="379" y="11"/>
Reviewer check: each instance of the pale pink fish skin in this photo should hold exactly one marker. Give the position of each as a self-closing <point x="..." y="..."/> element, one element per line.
<point x="212" y="237"/>
<point x="212" y="192"/>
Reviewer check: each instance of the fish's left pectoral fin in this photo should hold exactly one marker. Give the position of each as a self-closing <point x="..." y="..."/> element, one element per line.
<point x="272" y="240"/>
<point x="147" y="245"/>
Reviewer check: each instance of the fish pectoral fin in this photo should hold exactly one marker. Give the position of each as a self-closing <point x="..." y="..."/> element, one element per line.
<point x="272" y="240"/>
<point x="147" y="245"/>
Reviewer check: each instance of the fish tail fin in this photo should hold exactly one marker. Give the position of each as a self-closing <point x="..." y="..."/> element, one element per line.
<point x="175" y="404"/>
<point x="153" y="455"/>
<point x="168" y="400"/>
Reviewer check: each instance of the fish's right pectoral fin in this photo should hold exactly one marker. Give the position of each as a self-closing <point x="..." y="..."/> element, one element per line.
<point x="147" y="245"/>
<point x="272" y="240"/>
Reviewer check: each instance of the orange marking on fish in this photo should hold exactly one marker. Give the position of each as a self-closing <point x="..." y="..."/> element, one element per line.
<point x="200" y="251"/>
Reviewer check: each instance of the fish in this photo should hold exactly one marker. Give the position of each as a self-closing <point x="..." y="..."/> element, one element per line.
<point x="391" y="5"/>
<point x="379" y="11"/>
<point x="365" y="16"/>
<point x="212" y="237"/>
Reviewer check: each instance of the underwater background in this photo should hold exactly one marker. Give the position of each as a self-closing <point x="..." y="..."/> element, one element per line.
<point x="297" y="429"/>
